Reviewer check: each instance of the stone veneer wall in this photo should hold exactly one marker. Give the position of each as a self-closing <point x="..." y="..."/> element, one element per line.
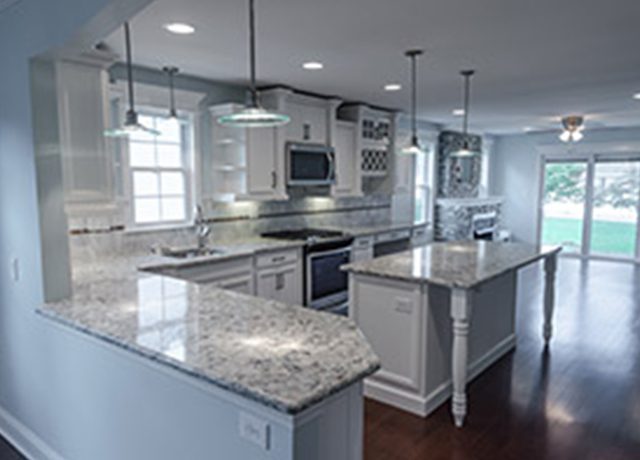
<point x="458" y="177"/>
<point x="454" y="221"/>
<point x="100" y="236"/>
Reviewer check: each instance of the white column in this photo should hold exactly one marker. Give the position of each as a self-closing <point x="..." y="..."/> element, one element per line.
<point x="460" y="314"/>
<point x="550" y="264"/>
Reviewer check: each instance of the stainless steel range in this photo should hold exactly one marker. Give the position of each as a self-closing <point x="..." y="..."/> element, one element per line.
<point x="326" y="286"/>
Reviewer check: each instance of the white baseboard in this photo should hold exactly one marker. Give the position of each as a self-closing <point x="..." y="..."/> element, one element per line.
<point x="424" y="405"/>
<point x="25" y="441"/>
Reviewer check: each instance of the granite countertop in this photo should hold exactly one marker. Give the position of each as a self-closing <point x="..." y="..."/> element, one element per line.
<point x="285" y="357"/>
<point x="453" y="264"/>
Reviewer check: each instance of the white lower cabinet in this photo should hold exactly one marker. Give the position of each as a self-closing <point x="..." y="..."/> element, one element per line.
<point x="240" y="283"/>
<point x="235" y="274"/>
<point x="279" y="277"/>
<point x="362" y="249"/>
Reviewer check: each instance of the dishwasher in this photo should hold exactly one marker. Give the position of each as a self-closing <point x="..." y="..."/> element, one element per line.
<point x="392" y="242"/>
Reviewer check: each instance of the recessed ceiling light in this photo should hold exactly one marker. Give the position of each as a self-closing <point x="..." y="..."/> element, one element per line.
<point x="636" y="96"/>
<point x="393" y="87"/>
<point x="180" y="28"/>
<point x="458" y="112"/>
<point x="312" y="65"/>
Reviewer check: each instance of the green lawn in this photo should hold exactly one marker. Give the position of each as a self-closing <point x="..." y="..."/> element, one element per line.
<point x="616" y="238"/>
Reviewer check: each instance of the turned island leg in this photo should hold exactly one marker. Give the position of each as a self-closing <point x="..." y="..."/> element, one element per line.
<point x="460" y="314"/>
<point x="550" y="263"/>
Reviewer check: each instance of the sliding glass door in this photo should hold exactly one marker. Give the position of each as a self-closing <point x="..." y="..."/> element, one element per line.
<point x="616" y="195"/>
<point x="591" y="206"/>
<point x="564" y="204"/>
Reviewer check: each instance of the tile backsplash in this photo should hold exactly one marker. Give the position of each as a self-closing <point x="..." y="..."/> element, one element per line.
<point x="102" y="235"/>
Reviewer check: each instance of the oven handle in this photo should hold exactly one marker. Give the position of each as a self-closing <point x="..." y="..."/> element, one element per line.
<point x="331" y="159"/>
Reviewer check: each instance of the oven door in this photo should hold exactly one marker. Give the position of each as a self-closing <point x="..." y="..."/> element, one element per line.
<point x="309" y="164"/>
<point x="327" y="285"/>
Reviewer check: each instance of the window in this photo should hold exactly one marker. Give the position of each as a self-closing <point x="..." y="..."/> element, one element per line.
<point x="160" y="172"/>
<point x="421" y="188"/>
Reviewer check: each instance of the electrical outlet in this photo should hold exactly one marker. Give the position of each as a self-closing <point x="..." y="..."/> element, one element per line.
<point x="255" y="430"/>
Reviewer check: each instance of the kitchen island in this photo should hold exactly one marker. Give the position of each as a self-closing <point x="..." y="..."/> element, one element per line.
<point x="258" y="378"/>
<point x="415" y="308"/>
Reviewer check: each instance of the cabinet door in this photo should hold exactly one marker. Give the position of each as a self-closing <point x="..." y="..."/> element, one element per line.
<point x="87" y="164"/>
<point x="308" y="122"/>
<point x="262" y="177"/>
<point x="346" y="149"/>
<point x="282" y="284"/>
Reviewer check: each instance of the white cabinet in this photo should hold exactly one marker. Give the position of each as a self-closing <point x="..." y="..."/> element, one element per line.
<point x="308" y="120"/>
<point x="87" y="164"/>
<point x="279" y="277"/>
<point x="362" y="249"/>
<point x="264" y="180"/>
<point x="346" y="151"/>
<point x="420" y="236"/>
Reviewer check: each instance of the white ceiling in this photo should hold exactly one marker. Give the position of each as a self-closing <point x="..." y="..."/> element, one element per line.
<point x="537" y="60"/>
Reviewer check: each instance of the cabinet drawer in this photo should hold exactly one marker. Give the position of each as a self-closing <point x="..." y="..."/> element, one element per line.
<point x="394" y="235"/>
<point x="277" y="258"/>
<point x="419" y="232"/>
<point x="363" y="242"/>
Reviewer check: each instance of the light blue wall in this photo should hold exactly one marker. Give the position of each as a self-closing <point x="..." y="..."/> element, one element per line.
<point x="78" y="397"/>
<point x="515" y="173"/>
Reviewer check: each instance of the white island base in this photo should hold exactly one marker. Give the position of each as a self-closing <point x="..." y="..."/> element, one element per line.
<point x="433" y="338"/>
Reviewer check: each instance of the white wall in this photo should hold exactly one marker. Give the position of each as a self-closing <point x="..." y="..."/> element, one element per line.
<point x="515" y="171"/>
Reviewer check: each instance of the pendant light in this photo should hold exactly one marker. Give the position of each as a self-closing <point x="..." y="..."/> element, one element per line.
<point x="131" y="124"/>
<point x="171" y="73"/>
<point x="573" y="127"/>
<point x="253" y="116"/>
<point x="465" y="151"/>
<point x="414" y="145"/>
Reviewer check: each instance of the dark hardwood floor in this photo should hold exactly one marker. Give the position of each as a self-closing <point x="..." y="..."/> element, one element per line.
<point x="578" y="400"/>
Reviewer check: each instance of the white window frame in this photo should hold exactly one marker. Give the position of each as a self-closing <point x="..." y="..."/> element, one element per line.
<point x="187" y="169"/>
<point x="588" y="154"/>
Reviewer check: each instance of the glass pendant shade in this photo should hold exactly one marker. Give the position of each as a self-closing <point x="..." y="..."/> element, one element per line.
<point x="464" y="152"/>
<point x="131" y="123"/>
<point x="253" y="116"/>
<point x="413" y="148"/>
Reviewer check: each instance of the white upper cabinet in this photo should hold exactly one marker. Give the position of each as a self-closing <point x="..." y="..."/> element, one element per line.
<point x="264" y="180"/>
<point x="346" y="151"/>
<point x="87" y="164"/>
<point x="308" y="120"/>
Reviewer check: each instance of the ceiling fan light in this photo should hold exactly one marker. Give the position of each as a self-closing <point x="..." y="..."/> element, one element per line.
<point x="565" y="136"/>
<point x="578" y="136"/>
<point x="254" y="117"/>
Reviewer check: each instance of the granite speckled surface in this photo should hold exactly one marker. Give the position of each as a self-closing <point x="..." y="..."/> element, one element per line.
<point x="286" y="357"/>
<point x="460" y="264"/>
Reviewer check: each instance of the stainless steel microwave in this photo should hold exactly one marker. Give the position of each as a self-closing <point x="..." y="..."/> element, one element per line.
<point x="310" y="164"/>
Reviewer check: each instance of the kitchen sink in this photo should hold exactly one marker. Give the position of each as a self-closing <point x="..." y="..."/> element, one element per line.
<point x="190" y="253"/>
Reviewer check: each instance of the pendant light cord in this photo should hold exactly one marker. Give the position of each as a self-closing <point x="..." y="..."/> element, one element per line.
<point x="127" y="42"/>
<point x="467" y="74"/>
<point x="252" y="53"/>
<point x="414" y="77"/>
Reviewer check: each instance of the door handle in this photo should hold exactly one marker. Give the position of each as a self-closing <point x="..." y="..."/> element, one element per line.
<point x="274" y="179"/>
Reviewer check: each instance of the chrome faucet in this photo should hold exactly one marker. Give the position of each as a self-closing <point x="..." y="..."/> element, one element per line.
<point x="202" y="229"/>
